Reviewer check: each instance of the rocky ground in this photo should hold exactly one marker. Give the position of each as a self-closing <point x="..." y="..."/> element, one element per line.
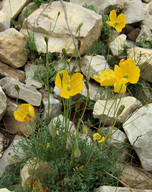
<point x="17" y="68"/>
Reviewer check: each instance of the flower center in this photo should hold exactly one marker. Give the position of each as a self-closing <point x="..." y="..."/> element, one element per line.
<point x="115" y="23"/>
<point x="125" y="75"/>
<point x="68" y="87"/>
<point x="28" y="117"/>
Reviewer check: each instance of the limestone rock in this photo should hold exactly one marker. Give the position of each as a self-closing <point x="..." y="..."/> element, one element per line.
<point x="13" y="126"/>
<point x="150" y="8"/>
<point x="117" y="45"/>
<point x="55" y="107"/>
<point x="133" y="34"/>
<point x="104" y="5"/>
<point x="143" y="58"/>
<point x="146" y="1"/>
<point x="119" y="189"/>
<point x="134" y="11"/>
<point x="91" y="65"/>
<point x="7" y="159"/>
<point x="26" y="93"/>
<point x="8" y="71"/>
<point x="4" y="21"/>
<point x="145" y="30"/>
<point x="40" y="169"/>
<point x="29" y="72"/>
<point x="133" y="176"/>
<point x="148" y="21"/>
<point x="5" y="190"/>
<point x="30" y="8"/>
<point x="139" y="133"/>
<point x="60" y="37"/>
<point x="1" y="144"/>
<point x="12" y="44"/>
<point x="117" y="137"/>
<point x="3" y="104"/>
<point x="60" y="119"/>
<point x="105" y="110"/>
<point x="13" y="7"/>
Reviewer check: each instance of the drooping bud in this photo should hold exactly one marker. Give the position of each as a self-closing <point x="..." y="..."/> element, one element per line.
<point x="77" y="153"/>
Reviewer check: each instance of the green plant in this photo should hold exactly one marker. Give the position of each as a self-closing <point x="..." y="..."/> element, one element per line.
<point x="97" y="48"/>
<point x="145" y="42"/>
<point x="91" y="7"/>
<point x="106" y="31"/>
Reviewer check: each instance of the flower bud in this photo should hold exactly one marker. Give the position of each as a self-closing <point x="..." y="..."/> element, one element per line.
<point x="77" y="153"/>
<point x="53" y="132"/>
<point x="85" y="130"/>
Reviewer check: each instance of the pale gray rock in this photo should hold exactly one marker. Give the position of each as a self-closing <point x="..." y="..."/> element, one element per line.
<point x="3" y="104"/>
<point x="117" y="45"/>
<point x="139" y="132"/>
<point x="117" y="137"/>
<point x="55" y="107"/>
<point x="26" y="93"/>
<point x="106" y="110"/>
<point x="135" y="176"/>
<point x="146" y="1"/>
<point x="30" y="8"/>
<point x="132" y="36"/>
<point x="1" y="144"/>
<point x="143" y="58"/>
<point x="91" y="65"/>
<point x="40" y="169"/>
<point x="5" y="190"/>
<point x="7" y="159"/>
<point x="4" y="21"/>
<point x="29" y="73"/>
<point x="61" y="119"/>
<point x="102" y="5"/>
<point x="145" y="31"/>
<point x="12" y="48"/>
<point x="148" y="22"/>
<point x="13" y="7"/>
<point x="8" y="71"/>
<point x="150" y="8"/>
<point x="42" y="21"/>
<point x="13" y="126"/>
<point x="119" y="189"/>
<point x="134" y="11"/>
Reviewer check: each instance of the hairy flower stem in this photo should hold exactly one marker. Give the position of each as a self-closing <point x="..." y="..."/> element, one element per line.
<point x="79" y="122"/>
<point x="48" y="86"/>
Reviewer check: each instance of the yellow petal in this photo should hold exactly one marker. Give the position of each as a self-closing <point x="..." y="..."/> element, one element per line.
<point x="113" y="15"/>
<point x="107" y="77"/>
<point x="101" y="140"/>
<point x="31" y="110"/>
<point x="76" y="79"/>
<point x="96" y="136"/>
<point x="121" y="18"/>
<point x="110" y="23"/>
<point x="119" y="88"/>
<point x="19" y="116"/>
<point x="65" y="94"/>
<point x="77" y="89"/>
<point x="96" y="78"/>
<point x="62" y="78"/>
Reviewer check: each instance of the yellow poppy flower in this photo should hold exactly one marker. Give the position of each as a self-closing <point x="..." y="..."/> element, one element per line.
<point x="97" y="137"/>
<point x="69" y="87"/>
<point x="117" y="22"/>
<point x="24" y="113"/>
<point x="127" y="72"/>
<point x="119" y="88"/>
<point x="107" y="77"/>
